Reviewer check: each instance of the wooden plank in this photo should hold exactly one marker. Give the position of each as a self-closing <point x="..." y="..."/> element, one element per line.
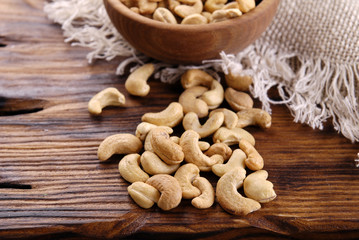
<point x="52" y="184"/>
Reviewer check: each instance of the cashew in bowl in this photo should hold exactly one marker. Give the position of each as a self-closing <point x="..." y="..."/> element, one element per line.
<point x="236" y="160"/>
<point x="225" y="14"/>
<point x="254" y="116"/>
<point x="196" y="77"/>
<point x="171" y="116"/>
<point x="213" y="5"/>
<point x="237" y="81"/>
<point x="195" y="18"/>
<point x="238" y="100"/>
<point x="191" y="102"/>
<point x="185" y="176"/>
<point x="221" y="149"/>
<point x="143" y="194"/>
<point x="191" y="122"/>
<point x="164" y="15"/>
<point x="153" y="165"/>
<point x="257" y="187"/>
<point x="232" y="136"/>
<point x="246" y="5"/>
<point x="171" y="193"/>
<point x="184" y="10"/>
<point x="136" y="83"/>
<point x="254" y="160"/>
<point x="206" y="199"/>
<point x="230" y="117"/>
<point x="144" y="128"/>
<point x="228" y="196"/>
<point x="130" y="170"/>
<point x="107" y="97"/>
<point x="122" y="143"/>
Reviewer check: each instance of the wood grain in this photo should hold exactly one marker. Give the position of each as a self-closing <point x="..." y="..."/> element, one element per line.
<point x="53" y="186"/>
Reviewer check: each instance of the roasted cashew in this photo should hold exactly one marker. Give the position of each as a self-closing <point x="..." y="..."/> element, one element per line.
<point x="202" y="144"/>
<point x="171" y="193"/>
<point x="184" y="10"/>
<point x="165" y="148"/>
<point x="153" y="165"/>
<point x="196" y="77"/>
<point x="171" y="116"/>
<point x="228" y="196"/>
<point x="185" y="176"/>
<point x="191" y="122"/>
<point x="136" y="83"/>
<point x="143" y="194"/>
<point x="147" y="145"/>
<point x="195" y="18"/>
<point x="107" y="97"/>
<point x="144" y="128"/>
<point x="130" y="170"/>
<point x="214" y="96"/>
<point x="206" y="199"/>
<point x="189" y="99"/>
<point x="232" y="136"/>
<point x="193" y="154"/>
<point x="146" y="6"/>
<point x="238" y="100"/>
<point x="225" y="14"/>
<point x="164" y="15"/>
<point x="246" y="5"/>
<point x="257" y="187"/>
<point x="238" y="82"/>
<point x="230" y="117"/>
<point x="221" y="149"/>
<point x="212" y="5"/>
<point x="236" y="160"/>
<point x="254" y="116"/>
<point x="254" y="160"/>
<point x="122" y="143"/>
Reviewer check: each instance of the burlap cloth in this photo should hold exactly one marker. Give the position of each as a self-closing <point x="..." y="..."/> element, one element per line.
<point x="310" y="53"/>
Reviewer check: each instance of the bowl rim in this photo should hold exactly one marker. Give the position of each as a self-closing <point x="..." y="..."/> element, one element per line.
<point x="247" y="17"/>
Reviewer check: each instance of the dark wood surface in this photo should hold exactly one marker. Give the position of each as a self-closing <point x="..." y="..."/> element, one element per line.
<point x="52" y="185"/>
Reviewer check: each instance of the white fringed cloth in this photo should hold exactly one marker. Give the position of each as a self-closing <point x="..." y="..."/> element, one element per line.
<point x="310" y="53"/>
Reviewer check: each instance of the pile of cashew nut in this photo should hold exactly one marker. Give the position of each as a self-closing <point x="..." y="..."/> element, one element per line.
<point x="164" y="168"/>
<point x="190" y="11"/>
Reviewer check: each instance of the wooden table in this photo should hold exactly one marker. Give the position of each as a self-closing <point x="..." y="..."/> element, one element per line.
<point x="53" y="186"/>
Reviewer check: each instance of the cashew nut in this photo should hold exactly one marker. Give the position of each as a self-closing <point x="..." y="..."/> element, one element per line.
<point x="189" y="99"/>
<point x="165" y="148"/>
<point x="171" y="193"/>
<point x="225" y="14"/>
<point x="153" y="165"/>
<point x="171" y="116"/>
<point x="257" y="187"/>
<point x="254" y="116"/>
<point x="195" y="18"/>
<point x="164" y="15"/>
<point x="185" y="176"/>
<point x="130" y="170"/>
<point x="144" y="128"/>
<point x="107" y="97"/>
<point x="202" y="144"/>
<point x="237" y="81"/>
<point x="229" y="5"/>
<point x="146" y="6"/>
<point x="191" y="122"/>
<point x="254" y="160"/>
<point x="232" y="136"/>
<point x="143" y="194"/>
<point x="236" y="160"/>
<point x="212" y="5"/>
<point x="193" y="154"/>
<point x="230" y="117"/>
<point x="238" y="100"/>
<point x="228" y="196"/>
<point x="196" y="77"/>
<point x="246" y="5"/>
<point x="206" y="199"/>
<point x="147" y="144"/>
<point x="221" y="149"/>
<point x="122" y="143"/>
<point x="136" y="83"/>
<point x="184" y="10"/>
<point x="214" y="96"/>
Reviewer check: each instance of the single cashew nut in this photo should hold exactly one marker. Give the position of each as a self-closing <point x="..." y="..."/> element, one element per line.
<point x="147" y="144"/>
<point x="254" y="160"/>
<point x="195" y="18"/>
<point x="232" y="136"/>
<point x="238" y="100"/>
<point x="246" y="5"/>
<point x="236" y="160"/>
<point x="172" y="4"/>
<point x="231" y="5"/>
<point x="189" y="99"/>
<point x="230" y="117"/>
<point x="143" y="194"/>
<point x="202" y="144"/>
<point x="206" y="199"/>
<point x="130" y="170"/>
<point x="214" y="96"/>
<point x="237" y="81"/>
<point x="153" y="165"/>
<point x="257" y="187"/>
<point x="136" y="83"/>
<point x="212" y="5"/>
<point x="191" y="122"/>
<point x="221" y="149"/>
<point x="225" y="14"/>
<point x="228" y="196"/>
<point x="171" y="116"/>
<point x="165" y="148"/>
<point x="254" y="116"/>
<point x="107" y="97"/>
<point x="193" y="154"/>
<point x="185" y="176"/>
<point x="164" y="15"/>
<point x="184" y="10"/>
<point x="146" y="6"/>
<point x="144" y="128"/>
<point x="196" y="77"/>
<point x="123" y="143"/>
<point x="171" y="193"/>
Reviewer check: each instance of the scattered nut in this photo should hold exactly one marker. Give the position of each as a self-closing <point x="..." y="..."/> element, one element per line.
<point x="136" y="83"/>
<point x="254" y="160"/>
<point x="238" y="100"/>
<point x="171" y="116"/>
<point x="148" y="145"/>
<point x="236" y="160"/>
<point x="130" y="170"/>
<point x="238" y="82"/>
<point x="185" y="176"/>
<point x="144" y="128"/>
<point x="206" y="199"/>
<point x="254" y="116"/>
<point x="107" y="97"/>
<point x="153" y="165"/>
<point x="232" y="136"/>
<point x="230" y="117"/>
<point x="189" y="99"/>
<point x="214" y="96"/>
<point x="221" y="149"/>
<point x="143" y="194"/>
<point x="191" y="122"/>
<point x="257" y="187"/>
<point x="196" y="77"/>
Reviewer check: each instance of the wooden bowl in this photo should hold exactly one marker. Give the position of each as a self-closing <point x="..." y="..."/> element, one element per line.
<point x="190" y="44"/>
